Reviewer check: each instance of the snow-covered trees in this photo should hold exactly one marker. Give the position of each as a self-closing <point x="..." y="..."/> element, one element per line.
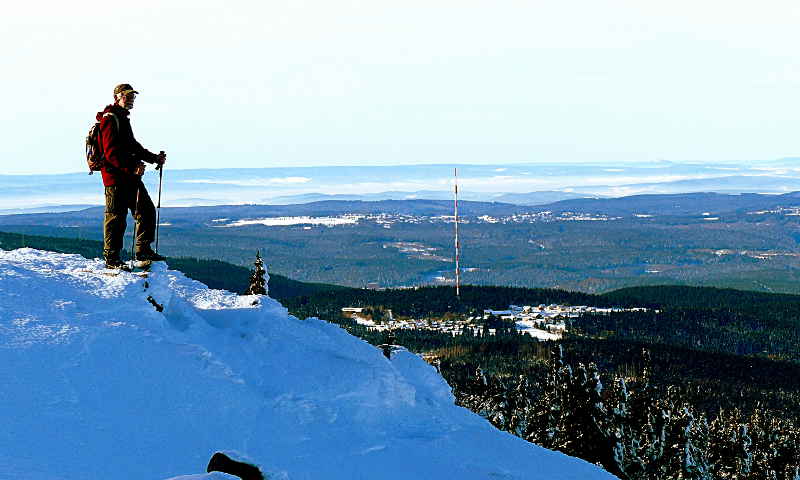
<point x="258" y="284"/>
<point x="633" y="430"/>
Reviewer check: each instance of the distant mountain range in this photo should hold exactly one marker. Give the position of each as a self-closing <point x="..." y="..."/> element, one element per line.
<point x="521" y="184"/>
<point x="676" y="204"/>
<point x="202" y="215"/>
<point x="45" y="209"/>
<point x="686" y="204"/>
<point x="724" y="184"/>
<point x="531" y="198"/>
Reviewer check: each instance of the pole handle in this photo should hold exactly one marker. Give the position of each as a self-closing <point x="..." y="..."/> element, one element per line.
<point x="160" y="165"/>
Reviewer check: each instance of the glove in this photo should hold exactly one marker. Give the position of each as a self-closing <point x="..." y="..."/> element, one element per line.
<point x="161" y="158"/>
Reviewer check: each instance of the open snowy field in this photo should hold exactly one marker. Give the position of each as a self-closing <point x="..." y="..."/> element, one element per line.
<point x="96" y="383"/>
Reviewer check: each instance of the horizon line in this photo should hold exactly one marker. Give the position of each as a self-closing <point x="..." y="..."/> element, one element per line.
<point x="451" y="164"/>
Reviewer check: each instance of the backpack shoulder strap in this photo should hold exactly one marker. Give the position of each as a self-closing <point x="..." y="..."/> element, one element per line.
<point x="116" y="120"/>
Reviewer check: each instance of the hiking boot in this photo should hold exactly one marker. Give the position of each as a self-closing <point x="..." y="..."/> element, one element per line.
<point x="116" y="264"/>
<point x="148" y="255"/>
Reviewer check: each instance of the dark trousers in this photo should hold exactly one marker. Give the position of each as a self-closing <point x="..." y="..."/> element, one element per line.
<point x="119" y="200"/>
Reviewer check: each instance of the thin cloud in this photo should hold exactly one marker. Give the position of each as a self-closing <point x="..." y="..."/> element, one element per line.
<point x="259" y="182"/>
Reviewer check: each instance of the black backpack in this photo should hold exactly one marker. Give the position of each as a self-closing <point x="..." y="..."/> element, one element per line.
<point x="94" y="151"/>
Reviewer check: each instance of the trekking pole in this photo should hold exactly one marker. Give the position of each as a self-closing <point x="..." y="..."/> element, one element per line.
<point x="160" y="169"/>
<point x="135" y="223"/>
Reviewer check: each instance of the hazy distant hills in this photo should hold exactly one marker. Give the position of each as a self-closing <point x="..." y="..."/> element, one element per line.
<point x="691" y="204"/>
<point x="531" y="198"/>
<point x="426" y="208"/>
<point x="522" y="184"/>
<point x="678" y="204"/>
<point x="538" y="198"/>
<point x="45" y="209"/>
<point x="358" y="207"/>
<point x="723" y="184"/>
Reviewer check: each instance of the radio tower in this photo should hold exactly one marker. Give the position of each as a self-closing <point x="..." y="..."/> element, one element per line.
<point x="458" y="245"/>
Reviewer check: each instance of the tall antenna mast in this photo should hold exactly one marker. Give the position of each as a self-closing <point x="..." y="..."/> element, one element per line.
<point x="458" y="245"/>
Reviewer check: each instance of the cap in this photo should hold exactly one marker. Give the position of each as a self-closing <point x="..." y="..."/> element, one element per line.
<point x="124" y="88"/>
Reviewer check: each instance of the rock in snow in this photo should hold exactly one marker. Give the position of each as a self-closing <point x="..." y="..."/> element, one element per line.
<point x="95" y="383"/>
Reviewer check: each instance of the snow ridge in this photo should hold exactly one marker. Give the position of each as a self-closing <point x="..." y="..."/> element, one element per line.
<point x="96" y="383"/>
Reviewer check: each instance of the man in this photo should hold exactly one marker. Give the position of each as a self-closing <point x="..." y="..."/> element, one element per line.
<point x="122" y="177"/>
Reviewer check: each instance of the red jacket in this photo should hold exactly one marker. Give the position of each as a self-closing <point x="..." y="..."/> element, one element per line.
<point x="122" y="152"/>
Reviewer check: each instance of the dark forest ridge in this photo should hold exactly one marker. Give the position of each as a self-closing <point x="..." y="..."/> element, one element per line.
<point x="219" y="274"/>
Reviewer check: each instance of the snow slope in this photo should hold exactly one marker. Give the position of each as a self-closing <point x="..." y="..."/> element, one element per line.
<point x="95" y="383"/>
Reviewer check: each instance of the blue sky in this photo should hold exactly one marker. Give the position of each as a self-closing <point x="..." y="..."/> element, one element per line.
<point x="269" y="84"/>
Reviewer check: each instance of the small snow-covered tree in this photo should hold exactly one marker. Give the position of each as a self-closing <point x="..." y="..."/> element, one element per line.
<point x="258" y="284"/>
<point x="523" y="406"/>
<point x="624" y="435"/>
<point x="693" y="437"/>
<point x="792" y="473"/>
<point x="498" y="406"/>
<point x="546" y="421"/>
<point x="744" y="457"/>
